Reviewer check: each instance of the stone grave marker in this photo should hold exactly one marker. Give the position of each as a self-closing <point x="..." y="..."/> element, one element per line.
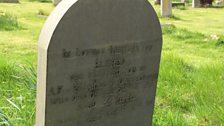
<point x="98" y="64"/>
<point x="9" y="1"/>
<point x="166" y="8"/>
<point x="196" y="3"/>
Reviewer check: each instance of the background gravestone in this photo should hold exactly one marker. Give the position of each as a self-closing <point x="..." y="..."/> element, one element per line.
<point x="98" y="64"/>
<point x="166" y="8"/>
<point x="196" y="3"/>
<point x="9" y="1"/>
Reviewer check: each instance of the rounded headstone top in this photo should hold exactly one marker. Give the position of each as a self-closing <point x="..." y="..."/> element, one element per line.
<point x="52" y="22"/>
<point x="114" y="20"/>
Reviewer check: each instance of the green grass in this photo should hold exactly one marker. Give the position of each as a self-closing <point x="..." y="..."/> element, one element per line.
<point x="8" y="21"/>
<point x="191" y="76"/>
<point x="190" y="87"/>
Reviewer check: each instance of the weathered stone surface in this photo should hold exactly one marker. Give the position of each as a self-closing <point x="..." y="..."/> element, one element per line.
<point x="98" y="64"/>
<point x="9" y="1"/>
<point x="196" y="3"/>
<point x="166" y="8"/>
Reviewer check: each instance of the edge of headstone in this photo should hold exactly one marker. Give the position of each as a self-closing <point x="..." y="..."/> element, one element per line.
<point x="56" y="2"/>
<point x="52" y="21"/>
<point x="43" y="43"/>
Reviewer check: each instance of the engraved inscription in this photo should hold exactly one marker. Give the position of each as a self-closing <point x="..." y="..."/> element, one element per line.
<point x="112" y="84"/>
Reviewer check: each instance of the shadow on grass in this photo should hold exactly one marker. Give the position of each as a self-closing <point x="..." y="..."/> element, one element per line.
<point x="220" y="42"/>
<point x="216" y="7"/>
<point x="186" y="36"/>
<point x="181" y="34"/>
<point x="173" y="17"/>
<point x="42" y="1"/>
<point x="4" y="121"/>
<point x="180" y="7"/>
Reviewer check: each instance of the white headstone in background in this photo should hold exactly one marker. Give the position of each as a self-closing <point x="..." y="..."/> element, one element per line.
<point x="196" y="3"/>
<point x="98" y="64"/>
<point x="166" y="8"/>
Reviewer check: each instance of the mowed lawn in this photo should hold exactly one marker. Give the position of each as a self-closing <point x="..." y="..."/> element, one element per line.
<point x="191" y="81"/>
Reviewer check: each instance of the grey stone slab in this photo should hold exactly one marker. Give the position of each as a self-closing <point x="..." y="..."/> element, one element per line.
<point x="98" y="64"/>
<point x="9" y="1"/>
<point x="196" y="3"/>
<point x="166" y="8"/>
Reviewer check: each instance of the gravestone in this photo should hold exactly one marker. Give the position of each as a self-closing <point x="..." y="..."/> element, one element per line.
<point x="9" y="1"/>
<point x="56" y="2"/>
<point x="98" y="64"/>
<point x="166" y="8"/>
<point x="196" y="3"/>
